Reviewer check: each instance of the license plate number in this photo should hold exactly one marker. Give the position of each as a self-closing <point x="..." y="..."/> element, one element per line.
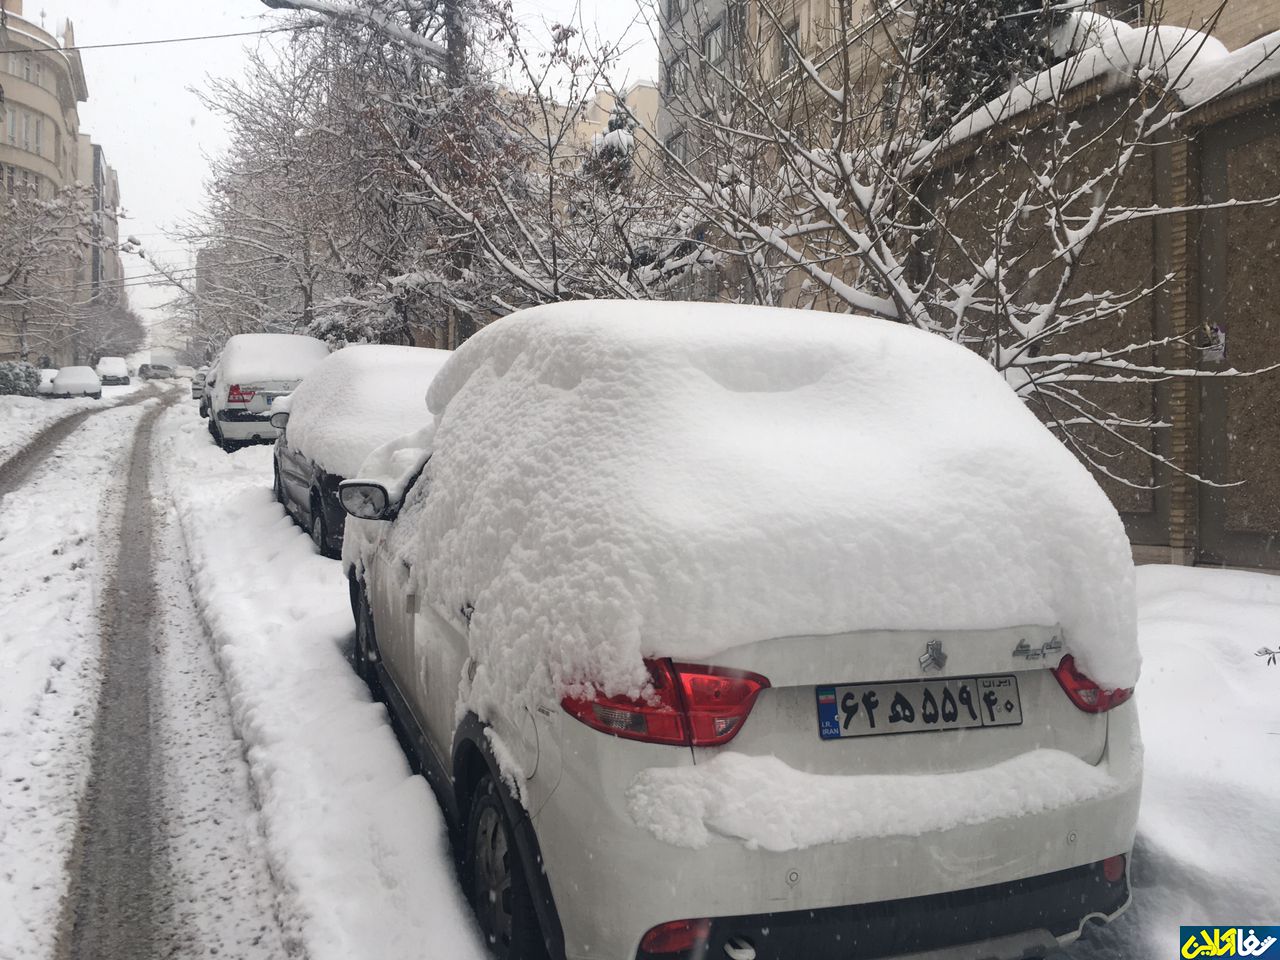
<point x="917" y="706"/>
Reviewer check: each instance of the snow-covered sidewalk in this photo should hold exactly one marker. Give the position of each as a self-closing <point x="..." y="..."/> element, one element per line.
<point x="356" y="842"/>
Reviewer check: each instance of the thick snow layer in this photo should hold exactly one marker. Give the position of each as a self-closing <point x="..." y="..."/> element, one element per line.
<point x="611" y="480"/>
<point x="267" y="357"/>
<point x="765" y="803"/>
<point x="356" y="842"/>
<point x="112" y="367"/>
<point x="360" y="398"/>
<point x="76" y="380"/>
<point x="1208" y="833"/>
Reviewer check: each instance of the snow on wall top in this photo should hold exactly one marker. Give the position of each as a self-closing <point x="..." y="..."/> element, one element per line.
<point x="615" y="480"/>
<point x="359" y="398"/>
<point x="1198" y="68"/>
<point x="254" y="357"/>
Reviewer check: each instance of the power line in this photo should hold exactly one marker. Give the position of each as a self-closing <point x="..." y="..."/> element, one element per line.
<point x="149" y="43"/>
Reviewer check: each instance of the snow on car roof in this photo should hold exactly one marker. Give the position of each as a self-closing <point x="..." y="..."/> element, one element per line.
<point x="358" y="398"/>
<point x="256" y="357"/>
<point x="617" y="480"/>
<point x="113" y="366"/>
<point x="76" y="375"/>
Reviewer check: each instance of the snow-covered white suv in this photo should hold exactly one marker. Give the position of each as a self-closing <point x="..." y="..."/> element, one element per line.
<point x="738" y="632"/>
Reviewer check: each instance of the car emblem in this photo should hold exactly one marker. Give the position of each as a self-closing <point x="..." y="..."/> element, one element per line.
<point x="934" y="658"/>
<point x="1028" y="652"/>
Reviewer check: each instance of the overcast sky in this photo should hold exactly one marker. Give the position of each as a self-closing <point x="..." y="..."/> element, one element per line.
<point x="155" y="132"/>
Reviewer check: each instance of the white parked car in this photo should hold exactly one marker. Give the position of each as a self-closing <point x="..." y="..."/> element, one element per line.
<point x="46" y="382"/>
<point x="353" y="401"/>
<point x="182" y="370"/>
<point x="113" y="371"/>
<point x="76" y="382"/>
<point x="726" y="631"/>
<point x="254" y="369"/>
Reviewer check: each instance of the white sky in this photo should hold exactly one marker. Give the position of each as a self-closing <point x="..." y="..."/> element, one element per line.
<point x="156" y="134"/>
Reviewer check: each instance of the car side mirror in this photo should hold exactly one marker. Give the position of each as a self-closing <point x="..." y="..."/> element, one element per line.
<point x="280" y="420"/>
<point x="365" y="500"/>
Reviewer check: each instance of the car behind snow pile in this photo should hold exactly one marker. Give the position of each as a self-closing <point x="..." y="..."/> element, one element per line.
<point x="113" y="371"/>
<point x="353" y="401"/>
<point x="252" y="370"/>
<point x="76" y="382"/>
<point x="662" y="591"/>
<point x="46" y="383"/>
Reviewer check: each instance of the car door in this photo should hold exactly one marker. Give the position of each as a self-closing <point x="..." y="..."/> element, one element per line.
<point x="293" y="476"/>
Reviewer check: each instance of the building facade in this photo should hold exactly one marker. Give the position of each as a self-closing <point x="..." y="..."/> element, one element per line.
<point x="44" y="156"/>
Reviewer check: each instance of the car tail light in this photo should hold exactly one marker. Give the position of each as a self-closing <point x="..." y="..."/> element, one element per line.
<point x="690" y="706"/>
<point x="678" y="938"/>
<point x="239" y="394"/>
<point x="1113" y="868"/>
<point x="1084" y="693"/>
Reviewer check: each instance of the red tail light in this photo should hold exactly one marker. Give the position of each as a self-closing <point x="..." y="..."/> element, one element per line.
<point x="690" y="706"/>
<point x="239" y="394"/>
<point x="1113" y="868"/>
<point x="1084" y="693"/>
<point x="676" y="939"/>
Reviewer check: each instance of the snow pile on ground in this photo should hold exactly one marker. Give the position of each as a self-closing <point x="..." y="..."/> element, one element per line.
<point x="765" y="803"/>
<point x="258" y="357"/>
<point x="1208" y="831"/>
<point x="356" y="841"/>
<point x="359" y="398"/>
<point x="56" y="533"/>
<point x="617" y="480"/>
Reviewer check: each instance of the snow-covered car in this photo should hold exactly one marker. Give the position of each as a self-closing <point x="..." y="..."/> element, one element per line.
<point x="197" y="385"/>
<point x="46" y="382"/>
<point x="252" y="370"/>
<point x="184" y="371"/>
<point x="76" y="382"/>
<point x="155" y="371"/>
<point x="113" y="371"/>
<point x="663" y="585"/>
<point x="353" y="401"/>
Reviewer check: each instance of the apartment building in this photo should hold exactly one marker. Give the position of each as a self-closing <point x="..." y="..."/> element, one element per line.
<point x="43" y="151"/>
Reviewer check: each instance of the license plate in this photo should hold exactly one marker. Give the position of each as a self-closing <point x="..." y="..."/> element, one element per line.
<point x="917" y="706"/>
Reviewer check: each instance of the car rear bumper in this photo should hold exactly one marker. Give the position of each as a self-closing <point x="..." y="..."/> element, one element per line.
<point x="1021" y="918"/>
<point x="613" y="881"/>
<point x="245" y="425"/>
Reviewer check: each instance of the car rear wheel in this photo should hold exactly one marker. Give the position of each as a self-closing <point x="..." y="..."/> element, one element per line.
<point x="496" y="884"/>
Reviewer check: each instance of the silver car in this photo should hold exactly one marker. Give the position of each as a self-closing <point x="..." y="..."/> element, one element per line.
<point x="925" y="793"/>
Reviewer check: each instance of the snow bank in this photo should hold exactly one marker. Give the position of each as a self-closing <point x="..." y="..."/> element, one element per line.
<point x="356" y="842"/>
<point x="1208" y="833"/>
<point x="257" y="357"/>
<point x="615" y="480"/>
<point x="765" y="803"/>
<point x="359" y="398"/>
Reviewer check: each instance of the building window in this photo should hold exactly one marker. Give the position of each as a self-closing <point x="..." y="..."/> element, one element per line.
<point x="40" y="136"/>
<point x="678" y="146"/>
<point x="11" y="124"/>
<point x="677" y="78"/>
<point x="713" y="44"/>
<point x="8" y="179"/>
<point x="39" y="81"/>
<point x="26" y="132"/>
<point x="26" y="67"/>
<point x="788" y="44"/>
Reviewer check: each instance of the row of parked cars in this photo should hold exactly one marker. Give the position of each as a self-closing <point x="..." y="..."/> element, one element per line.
<point x="86" y="381"/>
<point x="608" y="586"/>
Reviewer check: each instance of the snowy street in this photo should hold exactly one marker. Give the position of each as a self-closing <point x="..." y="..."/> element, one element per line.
<point x="191" y="768"/>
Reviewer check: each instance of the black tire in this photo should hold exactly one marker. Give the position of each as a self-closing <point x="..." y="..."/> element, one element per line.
<point x="319" y="530"/>
<point x="495" y="880"/>
<point x="364" y="652"/>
